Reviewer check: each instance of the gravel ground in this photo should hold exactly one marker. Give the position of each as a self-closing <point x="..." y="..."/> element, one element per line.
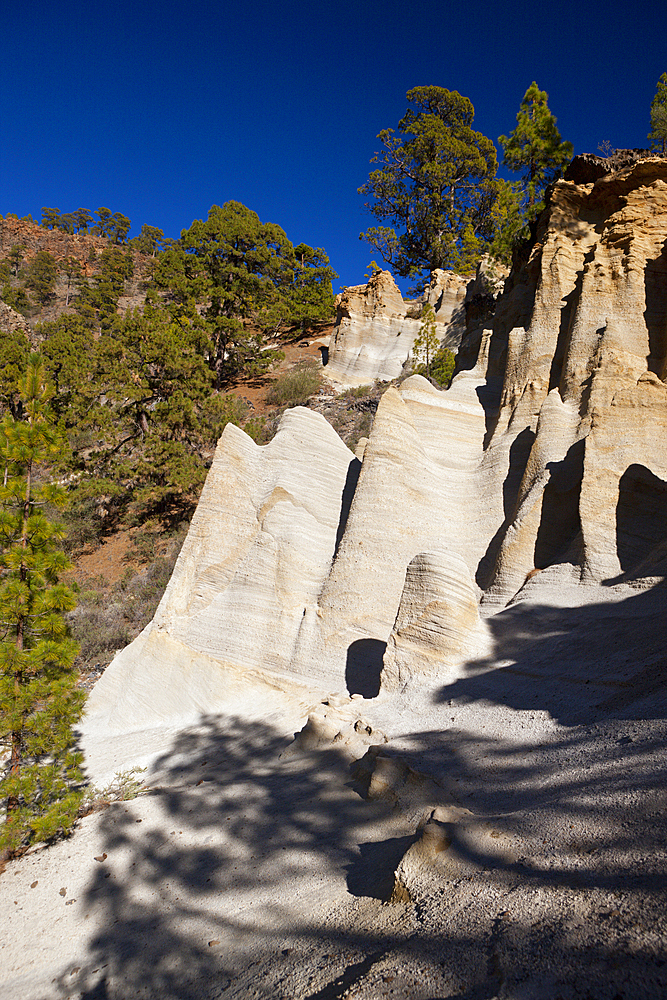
<point x="507" y="840"/>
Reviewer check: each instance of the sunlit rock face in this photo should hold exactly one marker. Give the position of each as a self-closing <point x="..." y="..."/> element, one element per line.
<point x="544" y="464"/>
<point x="580" y="343"/>
<point x="375" y="328"/>
<point x="247" y="580"/>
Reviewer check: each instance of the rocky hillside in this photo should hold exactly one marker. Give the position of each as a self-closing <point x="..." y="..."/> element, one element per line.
<point x="84" y="248"/>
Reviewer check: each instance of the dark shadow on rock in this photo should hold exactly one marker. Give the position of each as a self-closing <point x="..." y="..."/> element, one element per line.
<point x="353" y="973"/>
<point x="98" y="992"/>
<point x="324" y="354"/>
<point x="655" y="284"/>
<point x="560" y="524"/>
<point x="364" y="666"/>
<point x="641" y="517"/>
<point x="237" y="822"/>
<point x="518" y="458"/>
<point x="581" y="664"/>
<point x="489" y="396"/>
<point x="250" y="818"/>
<point x="372" y="873"/>
<point x="351" y="480"/>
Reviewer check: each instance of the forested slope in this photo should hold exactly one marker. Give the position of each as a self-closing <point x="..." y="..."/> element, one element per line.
<point x="147" y="343"/>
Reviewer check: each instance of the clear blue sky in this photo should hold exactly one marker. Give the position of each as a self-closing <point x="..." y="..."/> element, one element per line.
<point x="160" y="109"/>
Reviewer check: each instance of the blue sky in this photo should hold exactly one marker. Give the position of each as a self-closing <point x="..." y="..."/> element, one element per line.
<point x="160" y="109"/>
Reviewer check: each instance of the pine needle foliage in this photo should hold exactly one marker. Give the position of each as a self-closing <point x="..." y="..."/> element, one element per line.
<point x="658" y="133"/>
<point x="426" y="343"/>
<point x="536" y="148"/>
<point x="39" y="701"/>
<point x="435" y="183"/>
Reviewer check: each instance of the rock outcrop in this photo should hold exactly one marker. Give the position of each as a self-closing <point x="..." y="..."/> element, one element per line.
<point x="247" y="580"/>
<point x="580" y="343"/>
<point x="376" y="329"/>
<point x="12" y="321"/>
<point x="544" y="463"/>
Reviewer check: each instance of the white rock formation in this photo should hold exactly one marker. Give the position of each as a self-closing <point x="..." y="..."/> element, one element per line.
<point x="376" y="329"/>
<point x="546" y="460"/>
<point x="247" y="580"/>
<point x="438" y="624"/>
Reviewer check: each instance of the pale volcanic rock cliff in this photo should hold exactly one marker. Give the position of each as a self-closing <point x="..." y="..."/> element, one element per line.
<point x="375" y="328"/>
<point x="544" y="464"/>
<point x="247" y="579"/>
<point x="580" y="344"/>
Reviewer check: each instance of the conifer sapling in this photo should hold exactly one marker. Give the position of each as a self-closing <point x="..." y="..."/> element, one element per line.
<point x="426" y="343"/>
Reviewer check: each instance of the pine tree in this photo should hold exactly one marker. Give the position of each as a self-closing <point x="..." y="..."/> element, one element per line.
<point x="427" y="343"/>
<point x="435" y="183"/>
<point x="42" y="274"/>
<point x="535" y="147"/>
<point x="39" y="701"/>
<point x="658" y="133"/>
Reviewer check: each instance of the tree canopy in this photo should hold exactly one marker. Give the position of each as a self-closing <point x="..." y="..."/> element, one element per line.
<point x="42" y="274"/>
<point x="658" y="133"/>
<point x="251" y="280"/>
<point x="535" y="148"/>
<point x="113" y="225"/>
<point x="140" y="396"/>
<point x="435" y="185"/>
<point x="39" y="701"/>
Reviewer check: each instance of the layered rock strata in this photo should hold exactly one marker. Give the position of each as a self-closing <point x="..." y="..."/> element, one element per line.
<point x="545" y="461"/>
<point x="580" y="343"/>
<point x="247" y="580"/>
<point x="375" y="328"/>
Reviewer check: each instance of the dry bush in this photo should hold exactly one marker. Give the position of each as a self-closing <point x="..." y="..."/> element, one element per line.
<point x="296" y="386"/>
<point x="108" y="618"/>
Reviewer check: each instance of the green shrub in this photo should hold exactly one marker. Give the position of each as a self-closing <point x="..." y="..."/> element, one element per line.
<point x="296" y="386"/>
<point x="100" y="631"/>
<point x="442" y="367"/>
<point x="220" y="410"/>
<point x="358" y="392"/>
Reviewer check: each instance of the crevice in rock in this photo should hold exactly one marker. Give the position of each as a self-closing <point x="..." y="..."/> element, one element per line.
<point x="567" y="314"/>
<point x="655" y="315"/>
<point x="560" y="524"/>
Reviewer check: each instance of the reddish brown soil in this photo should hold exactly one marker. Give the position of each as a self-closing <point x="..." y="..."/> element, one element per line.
<point x="296" y="349"/>
<point x="109" y="561"/>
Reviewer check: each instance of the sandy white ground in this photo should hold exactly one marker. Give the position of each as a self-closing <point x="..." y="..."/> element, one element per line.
<point x="250" y="872"/>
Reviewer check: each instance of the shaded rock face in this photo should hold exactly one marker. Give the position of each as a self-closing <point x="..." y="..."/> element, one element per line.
<point x="376" y="329"/>
<point x="588" y="168"/>
<point x="544" y="463"/>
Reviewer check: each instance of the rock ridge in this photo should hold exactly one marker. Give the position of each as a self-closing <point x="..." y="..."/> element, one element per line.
<point x="544" y="464"/>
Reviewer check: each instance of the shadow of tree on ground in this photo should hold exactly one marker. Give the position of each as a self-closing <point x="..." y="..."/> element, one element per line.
<point x="244" y="874"/>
